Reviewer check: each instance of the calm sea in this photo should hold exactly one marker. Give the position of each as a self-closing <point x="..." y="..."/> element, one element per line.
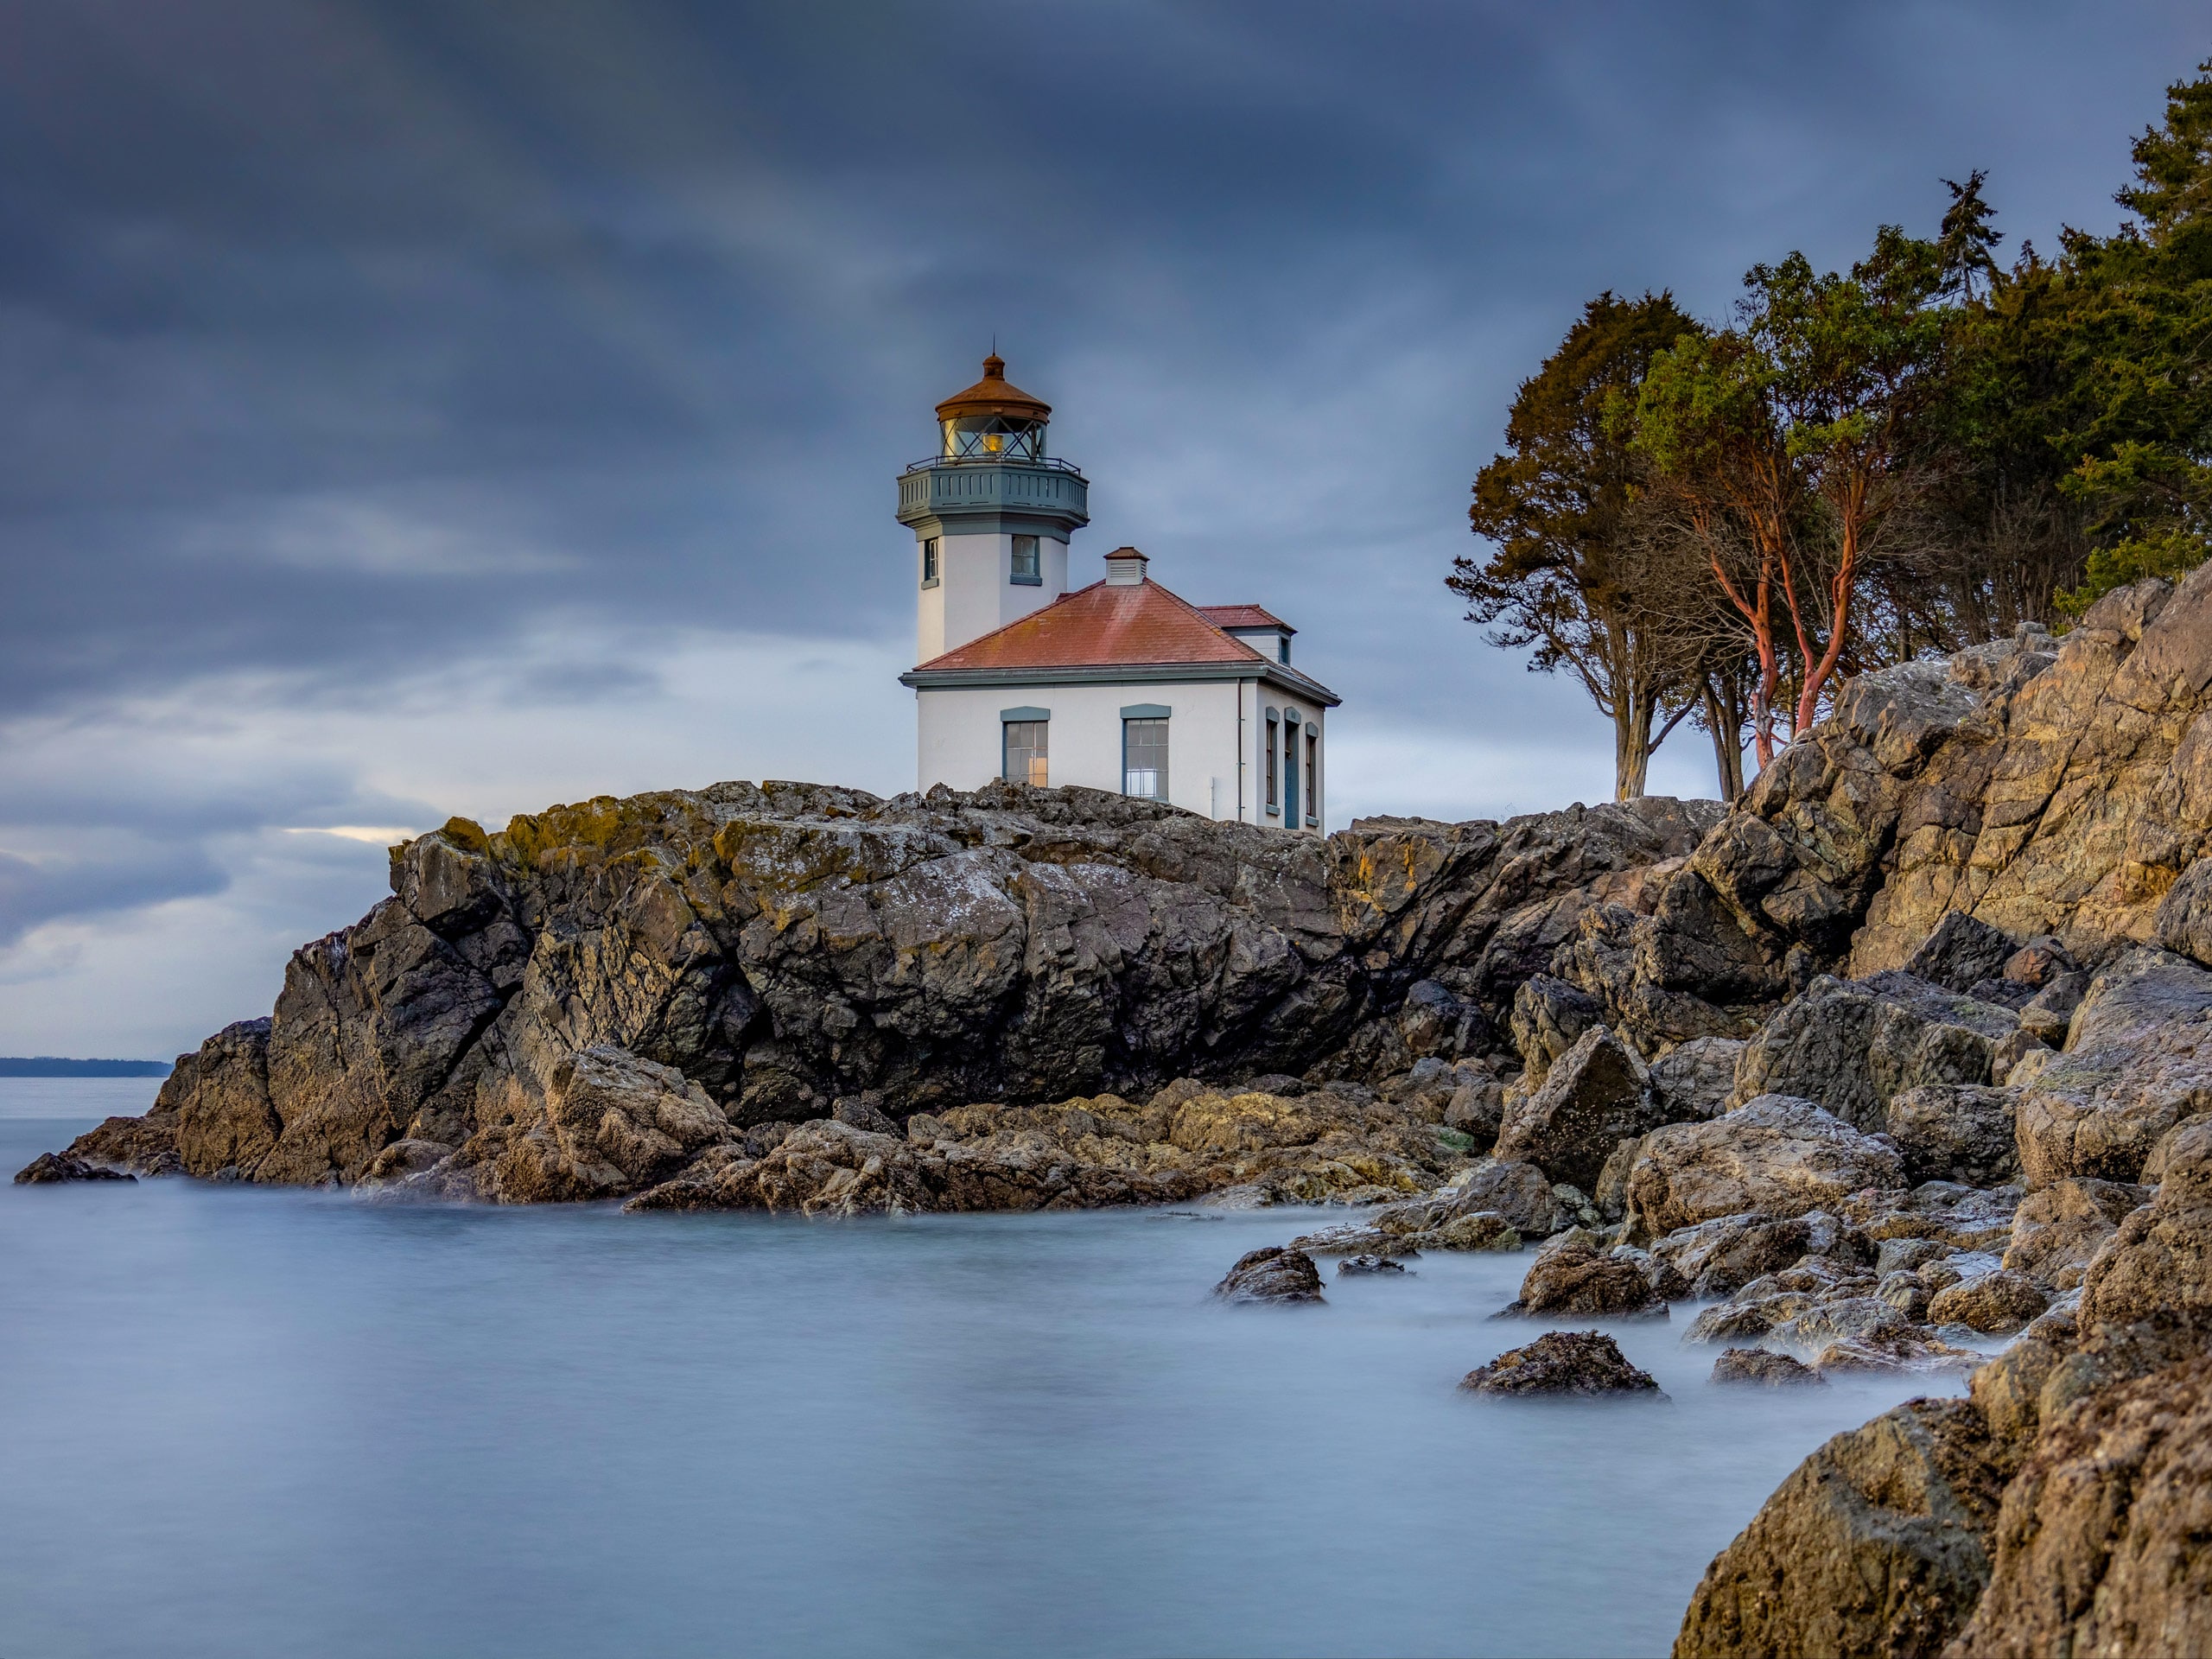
<point x="239" y="1422"/>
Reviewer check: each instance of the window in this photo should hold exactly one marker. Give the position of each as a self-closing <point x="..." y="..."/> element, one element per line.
<point x="1273" y="798"/>
<point x="1282" y="648"/>
<point x="1026" y="568"/>
<point x="1290" y="763"/>
<point x="929" y="561"/>
<point x="1025" y="751"/>
<point x="1144" y="759"/>
<point x="1312" y="770"/>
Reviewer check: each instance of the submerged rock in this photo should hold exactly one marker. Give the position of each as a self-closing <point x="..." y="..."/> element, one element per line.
<point x="1352" y="1265"/>
<point x="50" y="1168"/>
<point x="1272" y="1274"/>
<point x="1576" y="1275"/>
<point x="1562" y="1362"/>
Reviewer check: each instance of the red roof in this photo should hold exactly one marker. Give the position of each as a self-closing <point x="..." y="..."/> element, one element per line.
<point x="1104" y="625"/>
<point x="1243" y="616"/>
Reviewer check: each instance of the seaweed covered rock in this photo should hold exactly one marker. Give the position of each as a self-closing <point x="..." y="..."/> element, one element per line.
<point x="1562" y="1362"/>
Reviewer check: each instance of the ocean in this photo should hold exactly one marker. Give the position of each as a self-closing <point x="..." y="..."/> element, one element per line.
<point x="242" y="1421"/>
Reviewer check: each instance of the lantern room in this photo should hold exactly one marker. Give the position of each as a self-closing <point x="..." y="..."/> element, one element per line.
<point x="993" y="420"/>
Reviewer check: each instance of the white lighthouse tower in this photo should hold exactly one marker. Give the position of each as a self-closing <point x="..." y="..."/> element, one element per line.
<point x="991" y="515"/>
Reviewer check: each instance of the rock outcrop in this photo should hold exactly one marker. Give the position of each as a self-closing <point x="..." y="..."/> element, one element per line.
<point x="1273" y="1274"/>
<point x="1562" y="1362"/>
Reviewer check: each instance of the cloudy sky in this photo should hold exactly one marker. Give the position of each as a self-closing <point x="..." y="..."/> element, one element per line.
<point x="458" y="407"/>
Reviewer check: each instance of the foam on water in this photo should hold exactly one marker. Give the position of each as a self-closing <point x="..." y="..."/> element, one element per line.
<point x="239" y="1422"/>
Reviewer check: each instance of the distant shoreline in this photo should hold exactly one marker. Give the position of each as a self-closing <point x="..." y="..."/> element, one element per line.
<point x="48" y="1066"/>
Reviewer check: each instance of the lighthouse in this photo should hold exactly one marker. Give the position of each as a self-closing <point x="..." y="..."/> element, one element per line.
<point x="992" y="514"/>
<point x="1120" y="685"/>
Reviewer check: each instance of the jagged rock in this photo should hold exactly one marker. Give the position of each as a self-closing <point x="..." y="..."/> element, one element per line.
<point x="1954" y="1132"/>
<point x="51" y="1168"/>
<point x="1995" y="1304"/>
<point x="2048" y="1014"/>
<point x="1549" y="1018"/>
<point x="2140" y="1061"/>
<point x="1961" y="951"/>
<point x="1775" y="1156"/>
<point x="1853" y="1047"/>
<point x="2057" y="1230"/>
<point x="1890" y="1353"/>
<point x="864" y="1113"/>
<point x="1761" y="1368"/>
<point x="2104" y="1542"/>
<point x="1878" y="1543"/>
<point x="1720" y="1257"/>
<point x="122" y="1146"/>
<point x="1515" y="1191"/>
<point x="1562" y="1362"/>
<point x="1434" y="1022"/>
<point x="1595" y="1095"/>
<point x="2184" y="921"/>
<point x="1574" y="1275"/>
<point x="1272" y="1274"/>
<point x="220" y="1098"/>
<point x="1694" y="1079"/>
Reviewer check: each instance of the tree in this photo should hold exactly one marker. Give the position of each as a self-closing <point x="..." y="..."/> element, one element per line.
<point x="1856" y="361"/>
<point x="1966" y="241"/>
<point x="1569" y="574"/>
<point x="1708" y="422"/>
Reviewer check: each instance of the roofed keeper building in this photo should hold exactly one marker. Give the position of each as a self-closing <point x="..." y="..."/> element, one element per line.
<point x="1120" y="685"/>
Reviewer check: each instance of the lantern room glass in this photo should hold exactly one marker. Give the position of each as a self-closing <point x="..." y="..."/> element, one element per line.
<point x="994" y="437"/>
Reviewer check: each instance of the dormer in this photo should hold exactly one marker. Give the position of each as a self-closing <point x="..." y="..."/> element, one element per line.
<point x="1257" y="627"/>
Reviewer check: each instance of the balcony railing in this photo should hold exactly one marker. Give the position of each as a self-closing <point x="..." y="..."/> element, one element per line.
<point x="1048" y="463"/>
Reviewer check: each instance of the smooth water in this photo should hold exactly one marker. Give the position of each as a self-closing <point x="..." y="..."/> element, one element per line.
<point x="237" y="1422"/>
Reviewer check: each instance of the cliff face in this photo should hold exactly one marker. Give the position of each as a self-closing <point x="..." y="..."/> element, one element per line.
<point x="786" y="945"/>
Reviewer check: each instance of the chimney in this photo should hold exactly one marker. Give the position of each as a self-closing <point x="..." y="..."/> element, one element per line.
<point x="1124" y="568"/>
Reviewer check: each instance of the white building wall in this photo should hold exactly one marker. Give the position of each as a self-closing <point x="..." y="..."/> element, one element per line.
<point x="960" y="740"/>
<point x="975" y="591"/>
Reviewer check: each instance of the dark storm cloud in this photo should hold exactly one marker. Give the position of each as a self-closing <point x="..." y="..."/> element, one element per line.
<point x="341" y="340"/>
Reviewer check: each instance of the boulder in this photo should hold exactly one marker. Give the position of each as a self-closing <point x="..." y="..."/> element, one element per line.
<point x="1562" y="1362"/>
<point x="2048" y="1014"/>
<point x="1959" y="952"/>
<point x="1995" y="1304"/>
<point x="1878" y="1543"/>
<point x="224" y="1121"/>
<point x="1954" y="1132"/>
<point x="2104" y="1542"/>
<point x="2139" y="1060"/>
<point x="1851" y="1047"/>
<point x="1759" y="1368"/>
<point x="1513" y="1190"/>
<point x="1775" y="1156"/>
<point x="1595" y="1095"/>
<point x="1959" y="1217"/>
<point x="2057" y="1230"/>
<point x="1272" y="1274"/>
<point x="613" y="1124"/>
<point x="1694" y="1079"/>
<point x="1579" y="1277"/>
<point x="1549" y="1017"/>
<point x="1720" y="1257"/>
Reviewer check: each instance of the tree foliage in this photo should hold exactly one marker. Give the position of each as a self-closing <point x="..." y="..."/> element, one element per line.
<point x="1857" y="468"/>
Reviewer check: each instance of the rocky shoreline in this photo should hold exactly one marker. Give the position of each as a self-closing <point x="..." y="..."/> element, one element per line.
<point x="1911" y="1051"/>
